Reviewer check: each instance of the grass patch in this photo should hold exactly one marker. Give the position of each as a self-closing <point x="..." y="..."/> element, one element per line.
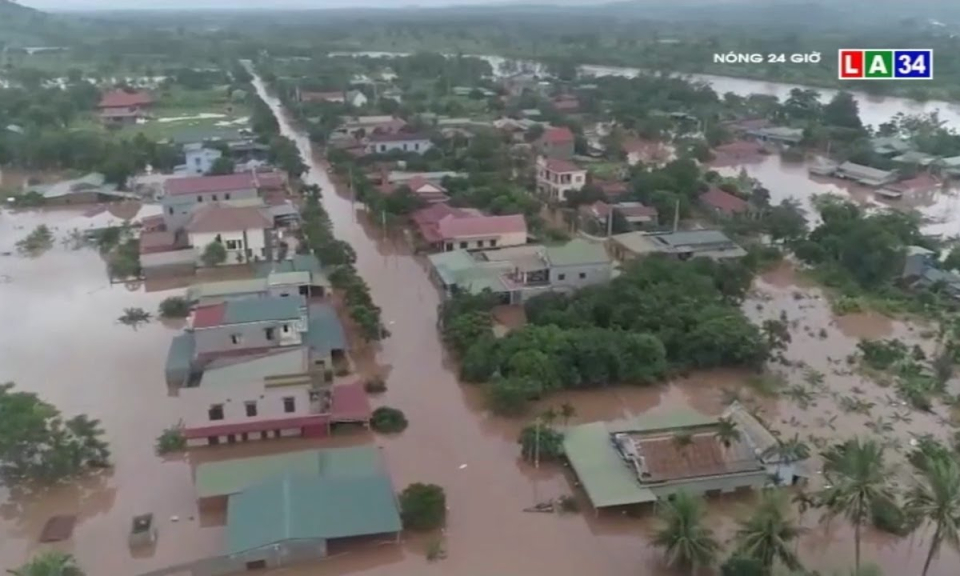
<point x="767" y="384"/>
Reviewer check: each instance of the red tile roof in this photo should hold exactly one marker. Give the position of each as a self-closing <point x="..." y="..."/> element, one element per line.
<point x="224" y="183"/>
<point x="566" y="103"/>
<point x="611" y="189"/>
<point x="557" y="135"/>
<point x="208" y="316"/>
<point x="453" y="227"/>
<point x="224" y="218"/>
<point x="561" y="166"/>
<point x="428" y="219"/>
<point x="124" y="99"/>
<point x="350" y="403"/>
<point x="724" y="201"/>
<point x="157" y="242"/>
<point x="418" y="182"/>
<point x="257" y="426"/>
<point x="636" y="210"/>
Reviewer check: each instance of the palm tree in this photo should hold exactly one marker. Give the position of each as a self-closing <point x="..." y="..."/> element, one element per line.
<point x="804" y="501"/>
<point x="767" y="534"/>
<point x="787" y="452"/>
<point x="549" y="416"/>
<point x="684" y="536"/>
<point x="52" y="563"/>
<point x="857" y="475"/>
<point x="935" y="499"/>
<point x="567" y="411"/>
<point x="727" y="431"/>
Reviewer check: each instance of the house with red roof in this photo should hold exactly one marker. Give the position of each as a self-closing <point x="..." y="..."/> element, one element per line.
<point x="181" y="196"/>
<point x="556" y="142"/>
<point x="446" y="228"/>
<point x="244" y="231"/>
<point x="556" y="177"/>
<point x="724" y="204"/>
<point x="566" y="103"/>
<point x="119" y="107"/>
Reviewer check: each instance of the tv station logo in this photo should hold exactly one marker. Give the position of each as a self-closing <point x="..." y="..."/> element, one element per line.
<point x="885" y="64"/>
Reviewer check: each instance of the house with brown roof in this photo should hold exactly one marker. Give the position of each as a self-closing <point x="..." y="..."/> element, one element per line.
<point x="119" y="107"/>
<point x="641" y="460"/>
<point x="556" y="177"/>
<point x="566" y="103"/>
<point x="443" y="227"/>
<point x="724" y="204"/>
<point x="556" y="142"/>
<point x="181" y="196"/>
<point x="242" y="230"/>
<point x="331" y="97"/>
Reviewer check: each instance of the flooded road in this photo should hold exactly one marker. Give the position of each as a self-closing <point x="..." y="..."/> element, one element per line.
<point x="453" y="442"/>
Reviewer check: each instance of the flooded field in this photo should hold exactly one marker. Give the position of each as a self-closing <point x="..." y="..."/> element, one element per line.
<point x="63" y="341"/>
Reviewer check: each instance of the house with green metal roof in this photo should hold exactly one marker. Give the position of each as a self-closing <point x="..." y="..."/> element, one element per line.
<point x="643" y="459"/>
<point x="249" y="324"/>
<point x="283" y="283"/>
<point x="283" y="509"/>
<point x="517" y="273"/>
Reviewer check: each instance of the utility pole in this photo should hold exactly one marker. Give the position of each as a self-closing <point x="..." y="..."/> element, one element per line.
<point x="609" y="221"/>
<point x="676" y="216"/>
<point x="536" y="445"/>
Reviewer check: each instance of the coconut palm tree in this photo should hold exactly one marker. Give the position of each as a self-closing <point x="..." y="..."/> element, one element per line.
<point x="768" y="533"/>
<point x="567" y="411"/>
<point x="549" y="416"/>
<point x="787" y="452"/>
<point x="52" y="563"/>
<point x="727" y="431"/>
<point x="857" y="476"/>
<point x="935" y="500"/>
<point x="684" y="536"/>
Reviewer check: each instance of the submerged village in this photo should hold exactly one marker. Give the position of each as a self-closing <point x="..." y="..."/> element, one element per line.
<point x="425" y="314"/>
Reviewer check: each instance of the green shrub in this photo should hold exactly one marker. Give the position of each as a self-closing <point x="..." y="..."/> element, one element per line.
<point x="388" y="420"/>
<point x="171" y="440"/>
<point x="175" y="307"/>
<point x="423" y="506"/>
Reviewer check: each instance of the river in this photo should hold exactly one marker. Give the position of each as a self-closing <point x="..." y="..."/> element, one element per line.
<point x="874" y="110"/>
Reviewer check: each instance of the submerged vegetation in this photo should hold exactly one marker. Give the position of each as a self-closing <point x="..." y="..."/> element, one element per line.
<point x="36" y="242"/>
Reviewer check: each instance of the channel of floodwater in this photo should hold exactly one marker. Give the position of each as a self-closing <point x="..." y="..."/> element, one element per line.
<point x="61" y="340"/>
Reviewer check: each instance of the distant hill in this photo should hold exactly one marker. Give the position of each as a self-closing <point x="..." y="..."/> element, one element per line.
<point x="21" y="26"/>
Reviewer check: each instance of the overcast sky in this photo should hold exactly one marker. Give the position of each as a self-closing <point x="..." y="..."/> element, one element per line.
<point x="53" y="5"/>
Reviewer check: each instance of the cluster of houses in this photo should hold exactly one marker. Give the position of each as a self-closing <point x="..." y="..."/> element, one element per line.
<point x="249" y="214"/>
<point x="257" y="362"/>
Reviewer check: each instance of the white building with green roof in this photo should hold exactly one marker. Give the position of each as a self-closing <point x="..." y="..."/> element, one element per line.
<point x="652" y="456"/>
<point x="517" y="273"/>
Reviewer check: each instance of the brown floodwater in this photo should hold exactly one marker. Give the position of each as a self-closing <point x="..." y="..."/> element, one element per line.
<point x="68" y="347"/>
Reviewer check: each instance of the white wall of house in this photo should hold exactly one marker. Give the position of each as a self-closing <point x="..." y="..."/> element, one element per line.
<point x="417" y="146"/>
<point x="246" y="243"/>
<point x="555" y="185"/>
<point x="236" y="399"/>
<point x="358" y="100"/>
<point x="485" y="242"/>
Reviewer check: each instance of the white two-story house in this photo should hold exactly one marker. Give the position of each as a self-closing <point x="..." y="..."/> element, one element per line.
<point x="244" y="232"/>
<point x="556" y="177"/>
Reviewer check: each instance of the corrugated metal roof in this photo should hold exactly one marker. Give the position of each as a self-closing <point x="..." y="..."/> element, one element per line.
<point x="262" y="309"/>
<point x="324" y="330"/>
<point x="180" y="355"/>
<point x="606" y="478"/>
<point x="305" y="507"/>
<point x="256" y="369"/>
<point x="226" y="288"/>
<point x="289" y="279"/>
<point x="576" y="253"/>
<point x="231" y="476"/>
